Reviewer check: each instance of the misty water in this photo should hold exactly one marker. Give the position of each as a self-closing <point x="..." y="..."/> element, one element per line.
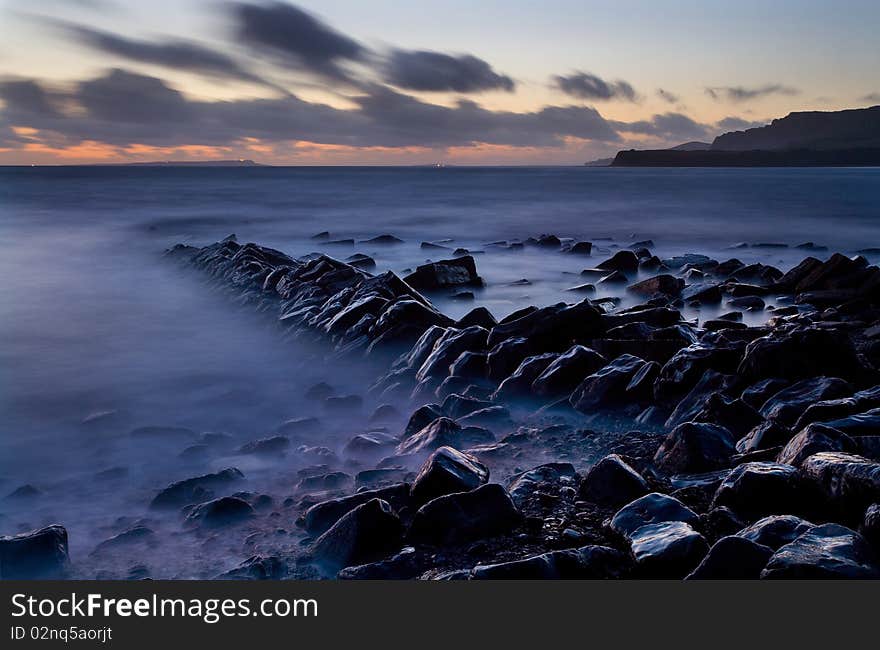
<point x="100" y="335"/>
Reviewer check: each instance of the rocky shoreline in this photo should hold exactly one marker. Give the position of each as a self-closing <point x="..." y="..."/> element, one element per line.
<point x="577" y="440"/>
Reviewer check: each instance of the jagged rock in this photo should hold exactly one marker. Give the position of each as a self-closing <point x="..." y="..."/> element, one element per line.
<point x="787" y="405"/>
<point x="383" y="239"/>
<point x="194" y="489"/>
<point x="373" y="444"/>
<point x="422" y="417"/>
<point x="257" y="567"/>
<point x="760" y="489"/>
<point x="224" y="511"/>
<point x="552" y="329"/>
<point x="625" y="261"/>
<point x="606" y="387"/>
<point x="581" y="248"/>
<point x="847" y="482"/>
<point x="566" y="371"/>
<point x="732" y="558"/>
<point x="477" y="316"/>
<point x="301" y="426"/>
<point x="491" y="417"/>
<point x="448" y="348"/>
<point x="670" y="549"/>
<point x="271" y="446"/>
<point x="461" y="271"/>
<point x="838" y="409"/>
<point x="870" y="527"/>
<point x="695" y="447"/>
<point x="767" y="435"/>
<point x="776" y="530"/>
<point x="465" y="516"/>
<point x="507" y="356"/>
<point x="758" y="393"/>
<point x="443" y="432"/>
<point x="519" y="382"/>
<point x="525" y="484"/>
<point x="663" y="284"/>
<point x="328" y="481"/>
<point x="858" y="425"/>
<point x="586" y="563"/>
<point x="652" y="508"/>
<point x="615" y="277"/>
<point x="612" y="482"/>
<point x="814" y="439"/>
<point x="446" y="471"/>
<point x="685" y="369"/>
<point x="456" y="406"/>
<point x="322" y="516"/>
<point x="365" y="533"/>
<point x="37" y="555"/>
<point x="692" y="404"/>
<point x="471" y="365"/>
<point x="824" y="552"/>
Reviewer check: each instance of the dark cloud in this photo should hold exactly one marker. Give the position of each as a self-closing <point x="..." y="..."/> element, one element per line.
<point x="176" y="54"/>
<point x="436" y="72"/>
<point x="667" y="96"/>
<point x="588" y="86"/>
<point x="742" y="94"/>
<point x="297" y="38"/>
<point x="738" y="124"/>
<point x="25" y="98"/>
<point x="668" y="126"/>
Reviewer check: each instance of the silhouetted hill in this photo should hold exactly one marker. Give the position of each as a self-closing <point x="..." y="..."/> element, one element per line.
<point x="790" y="158"/>
<point x="691" y="146"/>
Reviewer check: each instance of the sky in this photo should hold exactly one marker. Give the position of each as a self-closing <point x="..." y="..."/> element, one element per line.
<point x="344" y="82"/>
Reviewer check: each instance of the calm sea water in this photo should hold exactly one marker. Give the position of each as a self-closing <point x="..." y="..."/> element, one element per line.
<point x="92" y="319"/>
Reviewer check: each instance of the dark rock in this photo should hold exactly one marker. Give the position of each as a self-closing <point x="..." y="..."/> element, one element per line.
<point x="824" y="552"/>
<point x="370" y="445"/>
<point x="422" y="417"/>
<point x="519" y="383"/>
<point x="767" y="435"/>
<point x="787" y="405"/>
<point x="858" y="425"/>
<point x="491" y="417"/>
<point x="444" y="432"/>
<point x="405" y="565"/>
<point x="37" y="555"/>
<point x="383" y="239"/>
<point x="652" y="508"/>
<point x="446" y="471"/>
<point x="456" y="406"/>
<point x="695" y="447"/>
<point x="732" y="558"/>
<point x="134" y="535"/>
<point x="566" y="371"/>
<point x="364" y="534"/>
<point x="606" y="387"/>
<point x="615" y="277"/>
<point x="471" y="365"/>
<point x="449" y="347"/>
<point x="477" y="316"/>
<point x="361" y="261"/>
<point x="733" y="414"/>
<point x="506" y="357"/>
<point x="321" y="516"/>
<point x="525" y="484"/>
<point x="685" y="369"/>
<point x="847" y="482"/>
<point x="757" y="394"/>
<point x="224" y="511"/>
<point x="711" y="383"/>
<point x="554" y="328"/>
<point x="814" y="439"/>
<point x="838" y="409"/>
<point x="612" y="482"/>
<point x="625" y="261"/>
<point x="301" y="426"/>
<point x="664" y="284"/>
<point x="461" y="271"/>
<point x="258" y="567"/>
<point x="271" y="446"/>
<point x="671" y="549"/>
<point x="581" y="248"/>
<point x="465" y="516"/>
<point x="329" y="481"/>
<point x="870" y="527"/>
<point x="760" y="489"/>
<point x="776" y="531"/>
<point x="195" y="489"/>
<point x="586" y="563"/>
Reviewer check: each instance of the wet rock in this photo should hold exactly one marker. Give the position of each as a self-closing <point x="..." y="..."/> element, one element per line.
<point x="519" y="382"/>
<point x="526" y="484"/>
<point x="615" y="277"/>
<point x="449" y="347"/>
<point x="321" y="516"/>
<point x="198" y="488"/>
<point x="663" y="284"/>
<point x="586" y="563"/>
<point x="859" y="425"/>
<point x="749" y="303"/>
<point x="405" y="565"/>
<point x="685" y="369"/>
<point x="361" y="261"/>
<point x="624" y="261"/>
<point x="814" y="439"/>
<point x="847" y="482"/>
<point x="506" y="357"/>
<point x="465" y="516"/>
<point x="224" y="511"/>
<point x="758" y="393"/>
<point x="670" y="549"/>
<point x="787" y="405"/>
<point x="471" y="365"/>
<point x="456" y="406"/>
<point x="732" y="558"/>
<point x="479" y="316"/>
<point x="552" y="329"/>
<point x="328" y="481"/>
<point x="694" y="259"/>
<point x="606" y="387"/>
<point x="760" y="489"/>
<point x="374" y="478"/>
<point x="767" y="435"/>
<point x="258" y="567"/>
<point x="461" y="271"/>
<point x="364" y="534"/>
<point x="824" y="552"/>
<point x="695" y="447"/>
<point x="566" y="371"/>
<point x="132" y="536"/>
<point x="446" y="471"/>
<point x="491" y="417"/>
<point x="272" y="446"/>
<point x="776" y="531"/>
<point x="443" y="432"/>
<point x="37" y="555"/>
<point x="652" y="508"/>
<point x="870" y="527"/>
<point x="693" y="402"/>
<point x="370" y="445"/>
<point x="301" y="426"/>
<point x="612" y="482"/>
<point x="581" y="248"/>
<point x="383" y="239"/>
<point x="842" y="408"/>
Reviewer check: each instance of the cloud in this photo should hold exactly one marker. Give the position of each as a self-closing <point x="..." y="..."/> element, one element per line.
<point x="667" y="126"/>
<point x="437" y="72"/>
<point x="297" y="38"/>
<point x="588" y="86"/>
<point x="25" y="99"/>
<point x="738" y="124"/>
<point x="667" y="96"/>
<point x="742" y="94"/>
<point x="176" y="54"/>
<point x="871" y="98"/>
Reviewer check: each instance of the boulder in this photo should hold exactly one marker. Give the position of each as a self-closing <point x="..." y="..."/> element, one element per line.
<point x="606" y="388"/>
<point x="759" y="392"/>
<point x="479" y="316"/>
<point x="446" y="471"/>
<point x="471" y="365"/>
<point x="826" y="552"/>
<point x="652" y="508"/>
<point x="687" y="409"/>
<point x="448" y="348"/>
<point x="759" y="489"/>
<point x="465" y="516"/>
<point x="670" y="549"/>
<point x="321" y="516"/>
<point x="814" y="439"/>
<point x="519" y="383"/>
<point x="625" y="261"/>
<point x="767" y="435"/>
<point x="224" y="511"/>
<point x="506" y="357"/>
<point x="443" y="432"/>
<point x="859" y="425"/>
<point x="37" y="555"/>
<point x="870" y="527"/>
<point x="733" y="414"/>
<point x="663" y="284"/>
<point x="566" y="371"/>
<point x="554" y="328"/>
<point x="847" y="482"/>
<point x="695" y="447"/>
<point x="687" y="366"/>
<point x="461" y="271"/>
<point x="732" y="558"/>
<point x="456" y="406"/>
<point x="586" y="563"/>
<point x="787" y="405"/>
<point x="422" y="417"/>
<point x="840" y="409"/>
<point x="194" y="489"/>
<point x="776" y="530"/>
<point x="271" y="446"/>
<point x="369" y="532"/>
<point x="526" y="484"/>
<point x="612" y="482"/>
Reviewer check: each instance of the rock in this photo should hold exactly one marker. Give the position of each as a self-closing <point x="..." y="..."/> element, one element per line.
<point x="465" y="516"/>
<point x="361" y="261"/>
<point x="405" y="565"/>
<point x="624" y="261"/>
<point x="581" y="248"/>
<point x="163" y="433"/>
<point x="422" y="417"/>
<point x="479" y="316"/>
<point x="606" y="388"/>
<point x="858" y="425"/>
<point x="456" y="406"/>
<point x="612" y="482"/>
<point x="760" y="489"/>
<point x="134" y="535"/>
<point x="321" y="516"/>
<point x="814" y="439"/>
<point x="383" y="239"/>
<point x="757" y="394"/>
<point x="224" y="511"/>
<point x="461" y="271"/>
<point x="525" y="484"/>
<point x="370" y="445"/>
<point x="847" y="482"/>
<point x="272" y="446"/>
<point x="670" y="549"/>
<point x="787" y="405"/>
<point x="695" y="447"/>
<point x="733" y="414"/>
<point x="749" y="303"/>
<point x="446" y="471"/>
<point x="692" y="403"/>
<point x="693" y="259"/>
<point x="37" y="555"/>
<point x="615" y="277"/>
<point x="195" y="489"/>
<point x="663" y="284"/>
<point x="552" y="329"/>
<point x="328" y="481"/>
<point x="767" y="435"/>
<point x="302" y="426"/>
<point x="842" y="408"/>
<point x="870" y="527"/>
<point x="776" y="531"/>
<point x="685" y="369"/>
<point x="449" y="347"/>
<point x="443" y="432"/>
<point x="566" y="371"/>
<point x="519" y="382"/>
<point x="384" y="413"/>
<point x="586" y="563"/>
<point x="652" y="508"/>
<point x="824" y="552"/>
<point x="491" y="417"/>
<point x="258" y="567"/>
<point x="732" y="558"/>
<point x="506" y="357"/>
<point x="369" y="532"/>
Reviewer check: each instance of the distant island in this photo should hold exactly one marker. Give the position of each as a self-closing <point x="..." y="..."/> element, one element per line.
<point x="803" y="139"/>
<point x="194" y="163"/>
